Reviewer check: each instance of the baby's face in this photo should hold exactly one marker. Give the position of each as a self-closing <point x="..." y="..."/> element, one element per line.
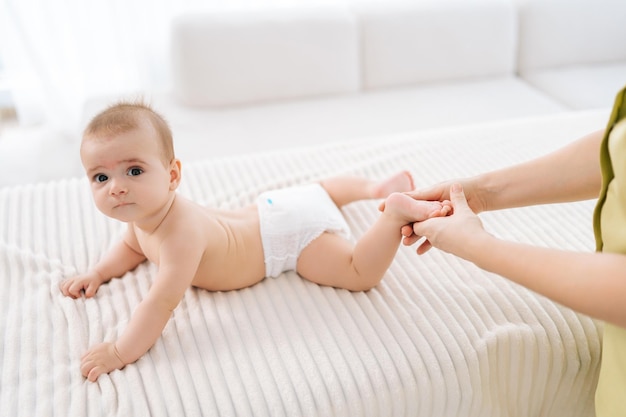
<point x="129" y="180"/>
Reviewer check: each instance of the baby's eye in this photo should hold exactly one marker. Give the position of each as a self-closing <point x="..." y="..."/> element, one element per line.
<point x="100" y="178"/>
<point x="135" y="171"/>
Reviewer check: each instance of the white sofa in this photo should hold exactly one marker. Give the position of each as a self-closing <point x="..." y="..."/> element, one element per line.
<point x="573" y="50"/>
<point x="257" y="80"/>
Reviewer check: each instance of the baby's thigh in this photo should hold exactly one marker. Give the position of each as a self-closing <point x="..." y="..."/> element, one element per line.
<point x="327" y="260"/>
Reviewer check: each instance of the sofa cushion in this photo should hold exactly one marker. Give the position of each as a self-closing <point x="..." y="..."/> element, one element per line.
<point x="210" y="132"/>
<point x="431" y="40"/>
<point x="558" y="33"/>
<point x="226" y="58"/>
<point x="581" y="86"/>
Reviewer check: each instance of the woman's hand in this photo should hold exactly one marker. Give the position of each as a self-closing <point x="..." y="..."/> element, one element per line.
<point x="453" y="233"/>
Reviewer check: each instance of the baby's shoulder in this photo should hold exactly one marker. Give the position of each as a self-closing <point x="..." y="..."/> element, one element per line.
<point x="186" y="212"/>
<point x="193" y="222"/>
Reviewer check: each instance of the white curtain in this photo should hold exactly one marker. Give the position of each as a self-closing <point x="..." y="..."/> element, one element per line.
<point x="60" y="53"/>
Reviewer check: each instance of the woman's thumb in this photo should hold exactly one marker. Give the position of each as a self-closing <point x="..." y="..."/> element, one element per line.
<point x="457" y="197"/>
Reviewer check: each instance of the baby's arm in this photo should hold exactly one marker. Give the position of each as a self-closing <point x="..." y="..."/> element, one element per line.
<point x="122" y="257"/>
<point x="178" y="265"/>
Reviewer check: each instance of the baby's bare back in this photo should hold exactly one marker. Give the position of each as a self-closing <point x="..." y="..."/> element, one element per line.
<point x="234" y="255"/>
<point x="229" y="244"/>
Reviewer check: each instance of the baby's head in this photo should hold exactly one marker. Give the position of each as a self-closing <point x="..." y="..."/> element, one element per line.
<point x="125" y="116"/>
<point x="128" y="155"/>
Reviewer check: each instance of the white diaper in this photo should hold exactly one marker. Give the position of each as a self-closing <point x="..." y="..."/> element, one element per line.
<point x="291" y="218"/>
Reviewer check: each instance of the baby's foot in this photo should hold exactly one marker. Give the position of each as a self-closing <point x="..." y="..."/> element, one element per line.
<point x="398" y="183"/>
<point x="411" y="210"/>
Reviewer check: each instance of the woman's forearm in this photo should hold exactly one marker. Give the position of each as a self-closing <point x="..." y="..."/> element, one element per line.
<point x="571" y="173"/>
<point x="591" y="283"/>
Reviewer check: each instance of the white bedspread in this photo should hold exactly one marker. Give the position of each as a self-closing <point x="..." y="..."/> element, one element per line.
<point x="438" y="337"/>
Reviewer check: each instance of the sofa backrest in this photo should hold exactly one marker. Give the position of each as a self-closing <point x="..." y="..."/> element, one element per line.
<point x="556" y="33"/>
<point x="230" y="58"/>
<point x="434" y="40"/>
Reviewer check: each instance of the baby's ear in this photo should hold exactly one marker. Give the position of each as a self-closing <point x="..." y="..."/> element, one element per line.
<point x="175" y="174"/>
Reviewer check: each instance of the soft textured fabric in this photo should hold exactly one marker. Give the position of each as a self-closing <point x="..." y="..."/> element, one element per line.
<point x="437" y="337"/>
<point x="290" y="219"/>
<point x="611" y="221"/>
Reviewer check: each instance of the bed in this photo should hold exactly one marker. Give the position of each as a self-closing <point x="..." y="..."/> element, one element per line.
<point x="437" y="337"/>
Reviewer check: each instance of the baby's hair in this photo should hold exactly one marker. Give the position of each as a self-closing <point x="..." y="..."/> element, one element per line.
<point x="125" y="116"/>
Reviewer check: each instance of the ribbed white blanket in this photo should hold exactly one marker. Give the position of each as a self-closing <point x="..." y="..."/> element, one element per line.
<point x="438" y="336"/>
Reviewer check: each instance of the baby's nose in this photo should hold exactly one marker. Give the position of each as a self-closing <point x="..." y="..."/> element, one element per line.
<point x="118" y="187"/>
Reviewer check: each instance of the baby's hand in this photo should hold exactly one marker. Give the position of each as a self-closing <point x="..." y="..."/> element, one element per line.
<point x="100" y="359"/>
<point x="88" y="282"/>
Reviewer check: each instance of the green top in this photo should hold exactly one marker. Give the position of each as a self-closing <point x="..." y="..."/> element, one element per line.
<point x="610" y="231"/>
<point x="617" y="114"/>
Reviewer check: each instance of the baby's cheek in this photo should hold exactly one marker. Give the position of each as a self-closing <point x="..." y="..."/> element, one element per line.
<point x="100" y="204"/>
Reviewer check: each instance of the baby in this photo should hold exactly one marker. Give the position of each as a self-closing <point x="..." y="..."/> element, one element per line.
<point x="128" y="155"/>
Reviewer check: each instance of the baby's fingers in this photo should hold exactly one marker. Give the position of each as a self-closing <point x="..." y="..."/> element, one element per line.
<point x="91" y="288"/>
<point x="63" y="287"/>
<point x="66" y="288"/>
<point x="76" y="287"/>
<point x="91" y="370"/>
<point x="95" y="373"/>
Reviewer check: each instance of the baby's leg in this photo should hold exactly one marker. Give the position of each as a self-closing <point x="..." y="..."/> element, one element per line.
<point x="331" y="260"/>
<point x="410" y="210"/>
<point x="347" y="189"/>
